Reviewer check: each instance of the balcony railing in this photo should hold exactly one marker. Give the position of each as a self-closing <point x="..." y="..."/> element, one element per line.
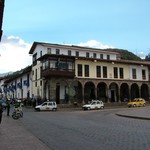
<point x="58" y="73"/>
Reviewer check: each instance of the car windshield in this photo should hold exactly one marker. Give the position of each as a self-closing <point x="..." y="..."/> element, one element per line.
<point x="93" y="103"/>
<point x="44" y="104"/>
<point x="134" y="100"/>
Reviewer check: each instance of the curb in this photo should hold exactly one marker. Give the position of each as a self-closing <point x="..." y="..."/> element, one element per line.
<point x="133" y="117"/>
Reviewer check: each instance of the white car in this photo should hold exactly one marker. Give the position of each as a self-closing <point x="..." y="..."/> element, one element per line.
<point x="49" y="105"/>
<point x="95" y="104"/>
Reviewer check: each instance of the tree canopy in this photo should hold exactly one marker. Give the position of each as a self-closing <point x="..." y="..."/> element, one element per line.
<point x="147" y="58"/>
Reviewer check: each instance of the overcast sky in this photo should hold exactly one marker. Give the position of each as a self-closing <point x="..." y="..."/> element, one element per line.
<point x="95" y="23"/>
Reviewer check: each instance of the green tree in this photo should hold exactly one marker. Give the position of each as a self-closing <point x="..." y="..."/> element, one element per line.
<point x="147" y="58"/>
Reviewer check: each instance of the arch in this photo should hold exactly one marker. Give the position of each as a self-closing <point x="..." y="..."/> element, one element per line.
<point x="101" y="91"/>
<point x="134" y="91"/>
<point x="124" y="92"/>
<point x="144" y="91"/>
<point x="113" y="92"/>
<point x="76" y="92"/>
<point x="89" y="91"/>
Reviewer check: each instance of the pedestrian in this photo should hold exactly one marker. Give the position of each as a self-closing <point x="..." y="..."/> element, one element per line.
<point x="8" y="106"/>
<point x="1" y="112"/>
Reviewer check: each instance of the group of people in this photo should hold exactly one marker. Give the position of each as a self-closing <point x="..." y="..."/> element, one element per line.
<point x="2" y="109"/>
<point x="1" y="112"/>
<point x="8" y="105"/>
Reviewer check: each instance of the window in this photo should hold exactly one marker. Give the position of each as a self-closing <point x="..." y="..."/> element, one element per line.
<point x="69" y="52"/>
<point x="108" y="57"/>
<point x="40" y="72"/>
<point x="57" y="51"/>
<point x="77" y="54"/>
<point x="101" y="56"/>
<point x="62" y="65"/>
<point x="48" y="50"/>
<point x="121" y="73"/>
<point x="47" y="64"/>
<point x="115" y="72"/>
<point x="79" y="69"/>
<point x="50" y="104"/>
<point x="133" y="73"/>
<point x="104" y="72"/>
<point x="94" y="55"/>
<point x="70" y="65"/>
<point x="40" y="53"/>
<point x="86" y="70"/>
<point x="34" y="59"/>
<point x="143" y="74"/>
<point x="98" y="71"/>
<point x="53" y="64"/>
<point x="35" y="84"/>
<point x="43" y="66"/>
<point x="35" y="74"/>
<point x="41" y="83"/>
<point x="21" y="81"/>
<point x="28" y="79"/>
<point x="44" y="104"/>
<point x="87" y="54"/>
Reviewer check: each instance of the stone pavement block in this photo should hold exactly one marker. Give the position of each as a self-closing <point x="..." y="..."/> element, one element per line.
<point x="13" y="136"/>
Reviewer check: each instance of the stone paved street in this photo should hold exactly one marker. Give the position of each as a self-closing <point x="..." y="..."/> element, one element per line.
<point x="77" y="130"/>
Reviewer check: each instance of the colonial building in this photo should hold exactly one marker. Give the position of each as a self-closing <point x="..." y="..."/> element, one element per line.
<point x="70" y="74"/>
<point x="17" y="85"/>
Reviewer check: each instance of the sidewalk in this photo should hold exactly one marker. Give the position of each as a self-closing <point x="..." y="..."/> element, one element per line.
<point x="14" y="137"/>
<point x="136" y="113"/>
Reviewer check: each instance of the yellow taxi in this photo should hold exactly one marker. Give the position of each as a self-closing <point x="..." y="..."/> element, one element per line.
<point x="137" y="102"/>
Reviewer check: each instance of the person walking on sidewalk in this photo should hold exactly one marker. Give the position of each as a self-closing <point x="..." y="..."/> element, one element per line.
<point x="8" y="106"/>
<point x="1" y="112"/>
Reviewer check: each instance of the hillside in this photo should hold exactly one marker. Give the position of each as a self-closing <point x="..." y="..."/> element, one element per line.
<point x="5" y="74"/>
<point x="125" y="54"/>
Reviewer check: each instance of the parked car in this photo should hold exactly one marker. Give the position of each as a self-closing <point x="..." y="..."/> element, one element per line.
<point x="49" y="105"/>
<point x="137" y="102"/>
<point x="95" y="104"/>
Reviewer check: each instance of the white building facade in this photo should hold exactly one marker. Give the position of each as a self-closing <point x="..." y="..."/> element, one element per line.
<point x="18" y="86"/>
<point x="70" y="74"/>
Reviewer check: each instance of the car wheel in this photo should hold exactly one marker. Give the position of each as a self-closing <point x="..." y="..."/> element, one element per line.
<point x="102" y="107"/>
<point x="88" y="108"/>
<point x="37" y="109"/>
<point x="134" y="105"/>
<point x="143" y="105"/>
<point x="54" y="109"/>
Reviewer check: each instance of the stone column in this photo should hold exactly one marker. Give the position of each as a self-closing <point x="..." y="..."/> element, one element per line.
<point x="95" y="93"/>
<point x="139" y="91"/>
<point x="83" y="95"/>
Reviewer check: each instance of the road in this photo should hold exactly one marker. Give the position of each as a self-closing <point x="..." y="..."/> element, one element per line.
<point x="88" y="130"/>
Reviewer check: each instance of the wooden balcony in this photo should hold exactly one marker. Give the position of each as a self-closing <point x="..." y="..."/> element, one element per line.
<point x="58" y="73"/>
